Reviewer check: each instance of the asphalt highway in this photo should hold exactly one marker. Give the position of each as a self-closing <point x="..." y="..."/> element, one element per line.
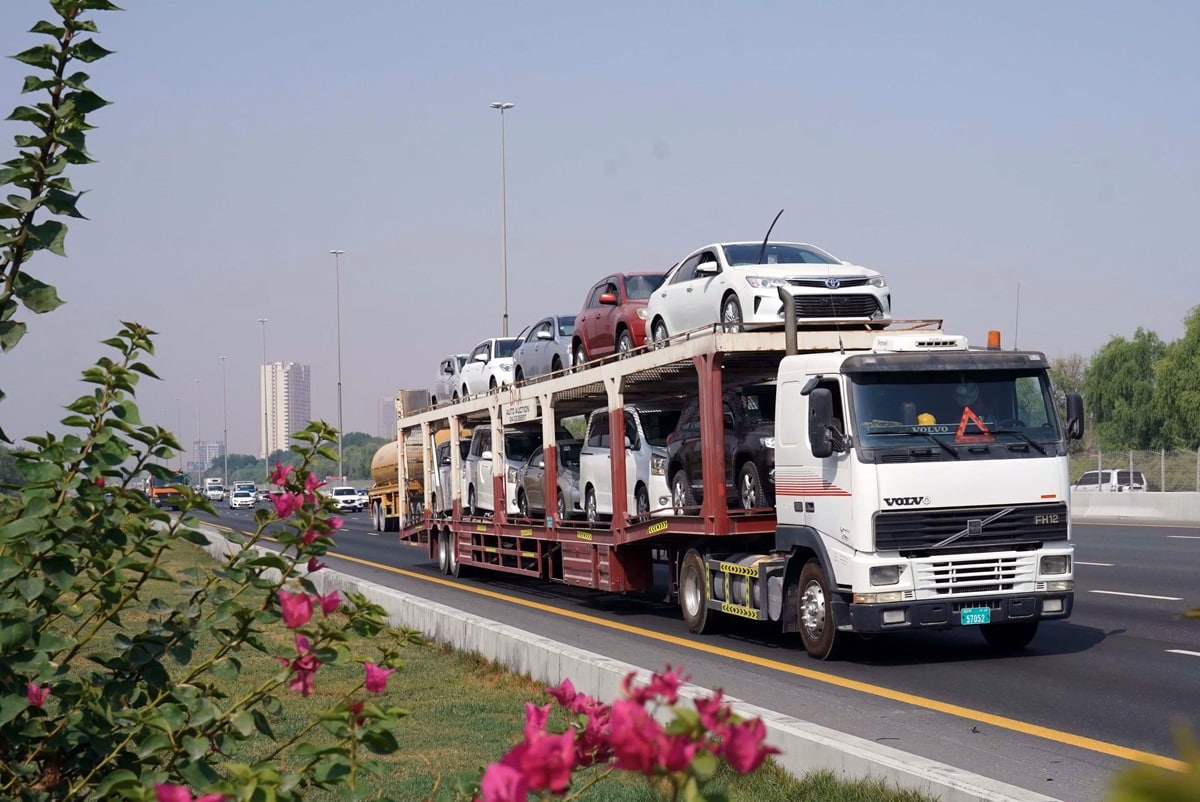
<point x="1108" y="686"/>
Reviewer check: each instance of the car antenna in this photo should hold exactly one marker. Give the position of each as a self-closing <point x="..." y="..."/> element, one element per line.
<point x="763" y="250"/>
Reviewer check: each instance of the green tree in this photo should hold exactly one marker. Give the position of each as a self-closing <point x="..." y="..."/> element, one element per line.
<point x="1119" y="390"/>
<point x="1067" y="375"/>
<point x="1177" y="390"/>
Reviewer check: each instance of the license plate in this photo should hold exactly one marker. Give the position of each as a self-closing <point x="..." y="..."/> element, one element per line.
<point x="975" y="615"/>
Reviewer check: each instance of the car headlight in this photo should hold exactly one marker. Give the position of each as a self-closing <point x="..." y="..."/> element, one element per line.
<point x="512" y="475"/>
<point x="1056" y="564"/>
<point x="643" y="313"/>
<point x="766" y="442"/>
<point x="765" y="282"/>
<point x="658" y="466"/>
<point x="506" y="367"/>
<point x="877" y="281"/>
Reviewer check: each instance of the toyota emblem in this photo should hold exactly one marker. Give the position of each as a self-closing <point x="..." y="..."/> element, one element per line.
<point x="833" y="283"/>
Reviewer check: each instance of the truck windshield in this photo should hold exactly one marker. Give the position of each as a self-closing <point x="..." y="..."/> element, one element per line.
<point x="901" y="410"/>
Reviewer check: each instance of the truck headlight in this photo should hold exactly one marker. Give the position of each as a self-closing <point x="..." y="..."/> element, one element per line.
<point x="886" y="574"/>
<point x="658" y="466"/>
<point x="1056" y="563"/>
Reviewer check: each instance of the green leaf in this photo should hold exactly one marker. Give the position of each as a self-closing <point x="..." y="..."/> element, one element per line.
<point x="18" y="529"/>
<point x="41" y="57"/>
<point x="88" y="51"/>
<point x="50" y="235"/>
<point x="15" y="633"/>
<point x="243" y="723"/>
<point x="37" y="296"/>
<point x="11" y="333"/>
<point x="11" y="707"/>
<point x="705" y="766"/>
<point x="48" y="28"/>
<point x="60" y="202"/>
<point x="86" y="101"/>
<point x="35" y="84"/>
<point x="121" y="778"/>
<point x="28" y="114"/>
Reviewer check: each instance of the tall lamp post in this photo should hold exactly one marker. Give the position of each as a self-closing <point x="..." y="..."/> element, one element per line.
<point x="337" y="275"/>
<point x="225" y="425"/>
<point x="196" y="451"/>
<point x="503" y="212"/>
<point x="179" y="428"/>
<point x="263" y="379"/>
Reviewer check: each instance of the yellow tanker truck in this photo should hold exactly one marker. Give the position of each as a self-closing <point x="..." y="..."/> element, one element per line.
<point x="385" y="501"/>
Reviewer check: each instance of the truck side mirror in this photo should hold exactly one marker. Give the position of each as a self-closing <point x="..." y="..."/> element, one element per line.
<point x="820" y="417"/>
<point x="1074" y="416"/>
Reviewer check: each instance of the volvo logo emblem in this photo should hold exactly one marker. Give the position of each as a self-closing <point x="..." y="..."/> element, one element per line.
<point x="833" y="283"/>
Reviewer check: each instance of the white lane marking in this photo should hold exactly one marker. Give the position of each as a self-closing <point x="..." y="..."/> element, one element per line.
<point x="1102" y="565"/>
<point x="1183" y="651"/>
<point x="1185" y="537"/>
<point x="1137" y="595"/>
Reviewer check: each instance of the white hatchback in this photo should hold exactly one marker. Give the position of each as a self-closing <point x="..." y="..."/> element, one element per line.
<point x="737" y="285"/>
<point x="489" y="366"/>
<point x="646" y="432"/>
<point x="448" y="382"/>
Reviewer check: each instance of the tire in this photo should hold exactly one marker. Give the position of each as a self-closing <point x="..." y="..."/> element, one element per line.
<point x="492" y="384"/>
<point x="624" y="342"/>
<point x="464" y="391"/>
<point x="694" y="593"/>
<point x="523" y="503"/>
<point x="658" y="333"/>
<point x="443" y="552"/>
<point x="731" y="314"/>
<point x="456" y="395"/>
<point x="518" y="375"/>
<point x="471" y="500"/>
<point x="1010" y="637"/>
<point x="750" y="489"/>
<point x="578" y="357"/>
<point x="433" y="506"/>
<point x="814" y="613"/>
<point x="556" y="364"/>
<point x="641" y="500"/>
<point x="562" y="507"/>
<point x="377" y="516"/>
<point x="589" y="506"/>
<point x="681" y="493"/>
<point x="433" y="400"/>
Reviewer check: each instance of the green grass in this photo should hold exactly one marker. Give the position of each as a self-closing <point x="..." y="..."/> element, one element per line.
<point x="464" y="713"/>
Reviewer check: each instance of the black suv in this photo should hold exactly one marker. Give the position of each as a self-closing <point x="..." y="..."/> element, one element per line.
<point x="749" y="424"/>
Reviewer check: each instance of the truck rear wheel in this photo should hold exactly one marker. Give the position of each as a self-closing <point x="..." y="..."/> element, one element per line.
<point x="1009" y="637"/>
<point x="694" y="593"/>
<point x="377" y="516"/>
<point x="815" y="613"/>
<point x="443" y="551"/>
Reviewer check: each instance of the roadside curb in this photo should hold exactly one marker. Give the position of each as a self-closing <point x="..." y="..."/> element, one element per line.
<point x="805" y="746"/>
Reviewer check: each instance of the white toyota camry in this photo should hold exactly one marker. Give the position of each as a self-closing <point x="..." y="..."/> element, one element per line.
<point x="736" y="284"/>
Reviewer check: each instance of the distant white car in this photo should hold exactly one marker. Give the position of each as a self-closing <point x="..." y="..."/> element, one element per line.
<point x="448" y="382"/>
<point x="490" y="365"/>
<point x="737" y="285"/>
<point x="347" y="499"/>
<point x="363" y="497"/>
<point x="242" y="500"/>
<point x="215" y="492"/>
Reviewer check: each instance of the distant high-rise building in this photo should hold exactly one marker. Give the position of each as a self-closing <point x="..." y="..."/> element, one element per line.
<point x="286" y="404"/>
<point x="205" y="451"/>
<point x="387" y="417"/>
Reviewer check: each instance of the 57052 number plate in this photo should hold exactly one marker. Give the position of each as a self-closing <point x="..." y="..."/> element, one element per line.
<point x="975" y="615"/>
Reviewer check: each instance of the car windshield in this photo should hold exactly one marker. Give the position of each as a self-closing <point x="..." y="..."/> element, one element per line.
<point x="566" y="326"/>
<point x="345" y="491"/>
<point x="569" y="454"/>
<point x="505" y="348"/>
<point x="462" y="360"/>
<point x="759" y="404"/>
<point x="776" y="253"/>
<point x="902" y="409"/>
<point x="639" y="287"/>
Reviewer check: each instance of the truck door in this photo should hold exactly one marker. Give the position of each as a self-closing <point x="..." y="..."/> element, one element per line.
<point x="828" y="508"/>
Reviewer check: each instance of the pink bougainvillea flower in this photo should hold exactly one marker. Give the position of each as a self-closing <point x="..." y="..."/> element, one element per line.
<point x="315" y="565"/>
<point x="535" y="719"/>
<point x="713" y="713"/>
<point x="329" y="602"/>
<point x="166" y="792"/>
<point x="548" y="761"/>
<point x="305" y="666"/>
<point x="335" y="523"/>
<point x="636" y="738"/>
<point x="297" y="608"/>
<point x="286" y="503"/>
<point x="377" y="677"/>
<point x="678" y="752"/>
<point x="280" y="474"/>
<point x="311" y="483"/>
<point x="310" y="537"/>
<point x="663" y="686"/>
<point x="743" y="746"/>
<point x="356" y="715"/>
<point x="503" y="783"/>
<point x="36" y="694"/>
<point x="564" y="693"/>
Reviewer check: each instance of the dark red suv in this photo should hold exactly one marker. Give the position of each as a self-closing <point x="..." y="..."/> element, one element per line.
<point x="613" y="318"/>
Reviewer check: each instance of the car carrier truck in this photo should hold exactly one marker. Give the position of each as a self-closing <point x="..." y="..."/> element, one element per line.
<point x="901" y="502"/>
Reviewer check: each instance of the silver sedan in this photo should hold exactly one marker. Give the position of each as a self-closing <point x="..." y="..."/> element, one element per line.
<point x="545" y="348"/>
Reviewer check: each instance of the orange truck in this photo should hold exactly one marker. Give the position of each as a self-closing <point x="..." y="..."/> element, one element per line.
<point x="165" y="494"/>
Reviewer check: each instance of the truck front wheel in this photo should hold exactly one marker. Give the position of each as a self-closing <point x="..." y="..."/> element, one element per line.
<point x="815" y="613"/>
<point x="693" y="593"/>
<point x="1009" y="637"/>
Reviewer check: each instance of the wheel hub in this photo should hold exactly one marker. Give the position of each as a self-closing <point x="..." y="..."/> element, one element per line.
<point x="812" y="610"/>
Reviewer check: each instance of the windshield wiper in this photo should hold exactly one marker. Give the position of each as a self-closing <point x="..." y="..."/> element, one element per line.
<point x="932" y="437"/>
<point x="1023" y="436"/>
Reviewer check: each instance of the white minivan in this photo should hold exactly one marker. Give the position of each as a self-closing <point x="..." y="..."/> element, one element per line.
<point x="1110" y="480"/>
<point x="477" y="487"/>
<point x="646" y="432"/>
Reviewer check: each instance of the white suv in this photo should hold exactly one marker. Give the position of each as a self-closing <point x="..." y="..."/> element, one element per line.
<point x="646" y="432"/>
<point x="1110" y="481"/>
<point x="490" y="365"/>
<point x="448" y="382"/>
<point x="347" y="499"/>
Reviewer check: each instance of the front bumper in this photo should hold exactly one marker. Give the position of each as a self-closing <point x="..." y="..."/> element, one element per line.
<point x="945" y="614"/>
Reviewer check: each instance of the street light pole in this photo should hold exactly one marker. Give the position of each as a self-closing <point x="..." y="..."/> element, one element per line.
<point x="337" y="274"/>
<point x="225" y="424"/>
<point x="503" y="211"/>
<point x="179" y="428"/>
<point x="196" y="451"/>
<point x="263" y="379"/>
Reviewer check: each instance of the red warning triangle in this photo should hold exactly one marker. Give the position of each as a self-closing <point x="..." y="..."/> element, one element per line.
<point x="969" y="417"/>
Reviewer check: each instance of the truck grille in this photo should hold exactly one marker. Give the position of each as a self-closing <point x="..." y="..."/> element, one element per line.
<point x="836" y="306"/>
<point x="973" y="575"/>
<point x="925" y="530"/>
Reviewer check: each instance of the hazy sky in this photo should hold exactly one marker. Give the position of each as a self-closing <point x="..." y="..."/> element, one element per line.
<point x="962" y="149"/>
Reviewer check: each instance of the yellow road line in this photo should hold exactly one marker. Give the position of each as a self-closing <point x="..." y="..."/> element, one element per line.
<point x="1003" y="722"/>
